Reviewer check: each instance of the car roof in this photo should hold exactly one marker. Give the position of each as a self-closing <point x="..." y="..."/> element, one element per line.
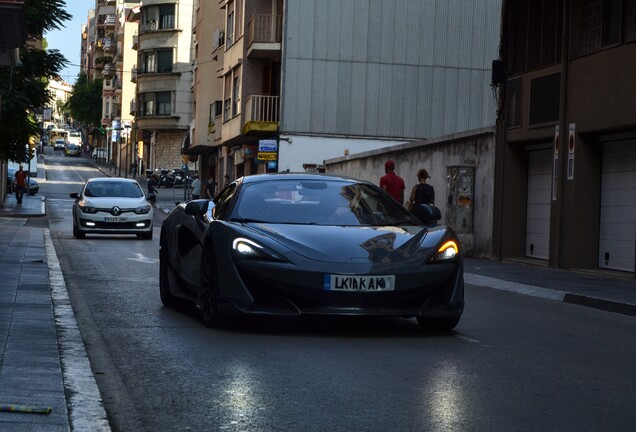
<point x="299" y="176"/>
<point x="111" y="180"/>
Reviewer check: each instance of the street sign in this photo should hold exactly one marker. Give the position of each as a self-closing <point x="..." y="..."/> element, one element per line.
<point x="266" y="156"/>
<point x="268" y="145"/>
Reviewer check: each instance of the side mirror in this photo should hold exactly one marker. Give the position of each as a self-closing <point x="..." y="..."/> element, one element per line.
<point x="75" y="195"/>
<point x="197" y="207"/>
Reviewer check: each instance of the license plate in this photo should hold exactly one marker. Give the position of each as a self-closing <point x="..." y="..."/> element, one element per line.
<point x="114" y="219"/>
<point x="359" y="283"/>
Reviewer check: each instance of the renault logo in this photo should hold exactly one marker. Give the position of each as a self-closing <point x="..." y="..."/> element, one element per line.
<point x="115" y="211"/>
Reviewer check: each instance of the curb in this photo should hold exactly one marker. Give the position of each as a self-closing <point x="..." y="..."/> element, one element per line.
<point x="84" y="403"/>
<point x="551" y="294"/>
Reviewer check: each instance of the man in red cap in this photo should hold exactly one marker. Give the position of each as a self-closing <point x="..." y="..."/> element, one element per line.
<point x="392" y="183"/>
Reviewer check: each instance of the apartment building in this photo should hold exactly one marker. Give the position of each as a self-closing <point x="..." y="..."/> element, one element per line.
<point x="163" y="75"/>
<point x="302" y="82"/>
<point x="566" y="151"/>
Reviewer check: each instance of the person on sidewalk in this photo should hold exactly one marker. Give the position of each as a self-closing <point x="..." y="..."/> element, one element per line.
<point x="196" y="188"/>
<point x="422" y="193"/>
<point x="392" y="183"/>
<point x="152" y="191"/>
<point x="210" y="187"/>
<point x="20" y="183"/>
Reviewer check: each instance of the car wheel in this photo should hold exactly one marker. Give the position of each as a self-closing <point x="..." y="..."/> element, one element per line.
<point x="209" y="289"/>
<point x="167" y="298"/>
<point x="77" y="233"/>
<point x="437" y="325"/>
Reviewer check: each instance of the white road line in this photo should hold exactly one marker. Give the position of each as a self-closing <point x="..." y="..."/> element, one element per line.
<point x="85" y="406"/>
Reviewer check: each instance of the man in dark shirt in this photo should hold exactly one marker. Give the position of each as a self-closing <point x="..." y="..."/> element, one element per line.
<point x="392" y="183"/>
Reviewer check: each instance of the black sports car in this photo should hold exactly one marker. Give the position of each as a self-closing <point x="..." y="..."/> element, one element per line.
<point x="292" y="244"/>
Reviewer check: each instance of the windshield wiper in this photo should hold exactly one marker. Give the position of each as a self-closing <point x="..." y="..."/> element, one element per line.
<point x="247" y="220"/>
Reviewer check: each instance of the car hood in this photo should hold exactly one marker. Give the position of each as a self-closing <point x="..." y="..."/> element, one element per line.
<point x="357" y="244"/>
<point x="110" y="202"/>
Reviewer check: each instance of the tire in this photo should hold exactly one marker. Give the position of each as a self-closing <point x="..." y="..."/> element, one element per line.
<point x="77" y="233"/>
<point x="208" y="290"/>
<point x="167" y="298"/>
<point x="438" y="325"/>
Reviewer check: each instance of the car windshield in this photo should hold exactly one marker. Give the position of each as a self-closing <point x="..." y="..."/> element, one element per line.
<point x="319" y="202"/>
<point x="100" y="189"/>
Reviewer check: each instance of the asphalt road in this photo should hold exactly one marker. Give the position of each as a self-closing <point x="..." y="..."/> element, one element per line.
<point x="514" y="362"/>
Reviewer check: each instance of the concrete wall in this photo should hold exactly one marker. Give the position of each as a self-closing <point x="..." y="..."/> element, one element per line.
<point x="475" y="148"/>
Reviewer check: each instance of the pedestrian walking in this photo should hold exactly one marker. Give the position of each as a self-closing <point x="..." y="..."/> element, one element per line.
<point x="210" y="187"/>
<point x="152" y="189"/>
<point x="392" y="183"/>
<point x="20" y="184"/>
<point x="421" y="193"/>
<point x="196" y="188"/>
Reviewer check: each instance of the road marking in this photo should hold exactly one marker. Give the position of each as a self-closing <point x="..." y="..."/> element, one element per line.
<point x="144" y="259"/>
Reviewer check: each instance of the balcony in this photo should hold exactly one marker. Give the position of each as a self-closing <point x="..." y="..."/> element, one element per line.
<point x="133" y="107"/>
<point x="105" y="21"/>
<point x="133" y="74"/>
<point x="110" y="46"/>
<point x="262" y="114"/>
<point x="264" y="35"/>
<point x="109" y="70"/>
<point x="135" y="41"/>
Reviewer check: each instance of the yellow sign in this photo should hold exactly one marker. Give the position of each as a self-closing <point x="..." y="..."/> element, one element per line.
<point x="266" y="156"/>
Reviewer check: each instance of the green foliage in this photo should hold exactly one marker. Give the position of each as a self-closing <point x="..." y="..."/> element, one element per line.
<point x="24" y="88"/>
<point x="85" y="103"/>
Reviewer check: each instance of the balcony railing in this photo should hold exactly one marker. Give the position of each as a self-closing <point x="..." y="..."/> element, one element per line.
<point x="264" y="29"/>
<point x="135" y="41"/>
<point x="260" y="108"/>
<point x="133" y="74"/>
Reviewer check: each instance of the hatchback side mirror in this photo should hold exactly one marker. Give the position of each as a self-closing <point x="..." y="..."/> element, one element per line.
<point x="75" y="195"/>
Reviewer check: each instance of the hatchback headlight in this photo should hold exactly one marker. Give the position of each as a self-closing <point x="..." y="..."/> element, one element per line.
<point x="88" y="209"/>
<point x="448" y="250"/>
<point x="143" y="209"/>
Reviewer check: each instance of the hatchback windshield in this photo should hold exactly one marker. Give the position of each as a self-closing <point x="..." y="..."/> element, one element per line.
<point x="319" y="202"/>
<point x="99" y="189"/>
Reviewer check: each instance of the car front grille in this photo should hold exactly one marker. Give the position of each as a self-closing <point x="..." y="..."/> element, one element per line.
<point x="116" y="225"/>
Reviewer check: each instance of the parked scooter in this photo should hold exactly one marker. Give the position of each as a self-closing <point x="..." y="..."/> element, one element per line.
<point x="165" y="178"/>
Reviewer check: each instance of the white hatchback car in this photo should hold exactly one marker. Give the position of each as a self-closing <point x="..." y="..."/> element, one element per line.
<point x="112" y="205"/>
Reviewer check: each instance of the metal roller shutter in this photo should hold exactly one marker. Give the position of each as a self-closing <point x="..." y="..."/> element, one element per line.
<point x="617" y="236"/>
<point x="538" y="204"/>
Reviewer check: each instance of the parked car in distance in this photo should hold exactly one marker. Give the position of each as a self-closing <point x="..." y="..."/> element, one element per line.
<point x="112" y="205"/>
<point x="72" y="149"/>
<point x="34" y="186"/>
<point x="59" y="144"/>
<point x="308" y="244"/>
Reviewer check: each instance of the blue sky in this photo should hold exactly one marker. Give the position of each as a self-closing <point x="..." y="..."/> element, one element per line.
<point x="67" y="40"/>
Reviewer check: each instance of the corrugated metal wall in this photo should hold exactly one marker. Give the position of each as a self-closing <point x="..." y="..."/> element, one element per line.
<point x="400" y="68"/>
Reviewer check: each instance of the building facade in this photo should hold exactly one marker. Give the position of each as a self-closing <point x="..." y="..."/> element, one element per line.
<point x="163" y="75"/>
<point x="566" y="152"/>
<point x="302" y="82"/>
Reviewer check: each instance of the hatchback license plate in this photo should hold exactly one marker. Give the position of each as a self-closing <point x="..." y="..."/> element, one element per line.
<point x="114" y="219"/>
<point x="359" y="283"/>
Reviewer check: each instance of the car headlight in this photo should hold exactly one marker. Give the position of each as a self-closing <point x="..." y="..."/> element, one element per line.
<point x="447" y="251"/>
<point x="246" y="248"/>
<point x="88" y="209"/>
<point x="143" y="210"/>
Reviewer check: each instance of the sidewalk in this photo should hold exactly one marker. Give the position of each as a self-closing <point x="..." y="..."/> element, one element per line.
<point x="43" y="361"/>
<point x="46" y="383"/>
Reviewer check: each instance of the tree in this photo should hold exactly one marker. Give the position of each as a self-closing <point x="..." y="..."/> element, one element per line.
<point x="85" y="102"/>
<point x="24" y="87"/>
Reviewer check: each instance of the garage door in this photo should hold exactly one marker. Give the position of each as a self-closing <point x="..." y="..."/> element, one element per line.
<point x="538" y="204"/>
<point x="618" y="206"/>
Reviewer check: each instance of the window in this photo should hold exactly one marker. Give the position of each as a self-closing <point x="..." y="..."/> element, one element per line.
<point x="227" y="102"/>
<point x="544" y="99"/>
<point x="150" y="63"/>
<point x="149" y="106"/>
<point x="164" y="61"/>
<point x="603" y="23"/>
<point x="163" y="103"/>
<point x="166" y="16"/>
<point x="236" y="94"/>
<point x="229" y="40"/>
<point x="535" y="34"/>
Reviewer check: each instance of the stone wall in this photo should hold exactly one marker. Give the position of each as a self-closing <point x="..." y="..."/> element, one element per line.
<point x="439" y="156"/>
<point x="168" y="148"/>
